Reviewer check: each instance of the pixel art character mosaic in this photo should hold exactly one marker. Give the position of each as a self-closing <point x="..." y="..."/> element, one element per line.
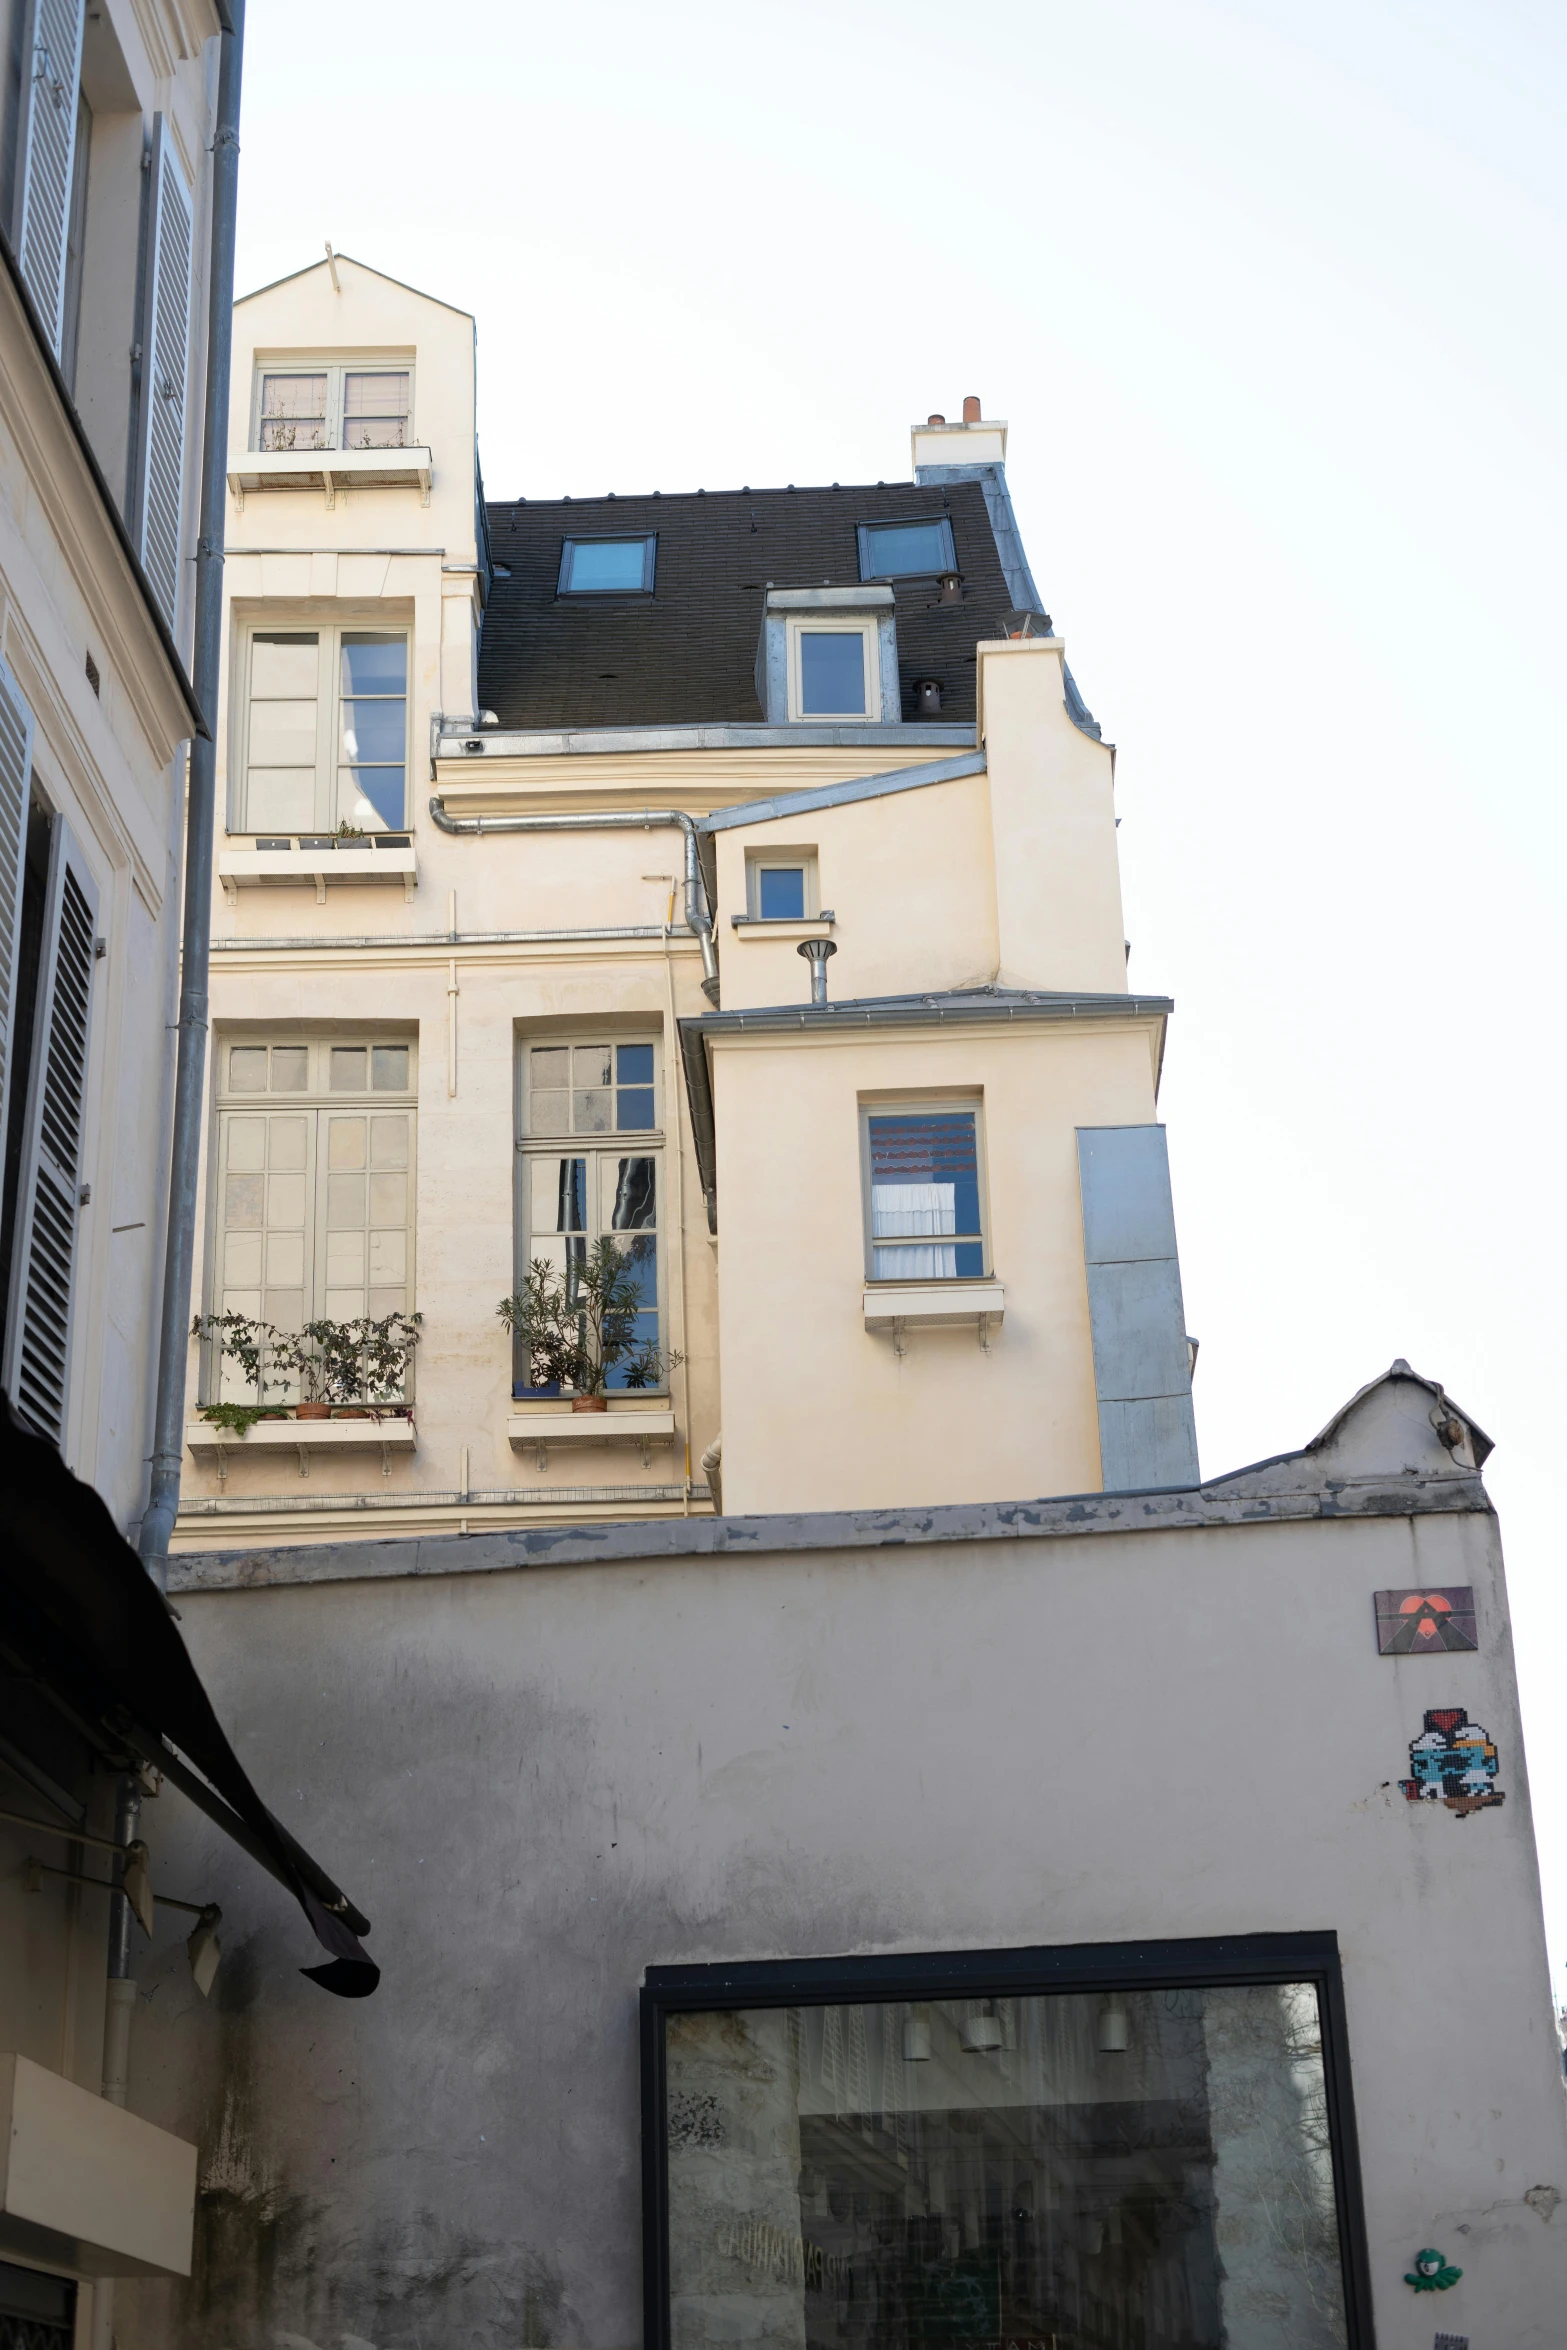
<point x="1454" y="1762"/>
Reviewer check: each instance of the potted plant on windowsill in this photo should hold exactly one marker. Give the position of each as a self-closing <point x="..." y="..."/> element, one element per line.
<point x="364" y="1363"/>
<point x="257" y="1350"/>
<point x="577" y="1324"/>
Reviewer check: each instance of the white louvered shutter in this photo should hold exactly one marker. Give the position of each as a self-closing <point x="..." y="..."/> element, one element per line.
<point x="48" y="1205"/>
<point x="46" y="153"/>
<point x="159" y="477"/>
<point x="16" y="766"/>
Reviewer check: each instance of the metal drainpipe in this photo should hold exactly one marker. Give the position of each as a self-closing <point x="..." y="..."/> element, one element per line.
<point x="200" y="819"/>
<point x="630" y="820"/>
<point x="119" y="2000"/>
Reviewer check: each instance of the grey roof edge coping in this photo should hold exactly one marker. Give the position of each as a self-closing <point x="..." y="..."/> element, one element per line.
<point x="584" y="741"/>
<point x="866" y="596"/>
<point x="839" y="795"/>
<point x="930" y="1011"/>
<point x="1258" y="1496"/>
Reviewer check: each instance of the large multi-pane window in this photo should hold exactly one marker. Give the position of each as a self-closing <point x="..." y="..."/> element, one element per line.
<point x="332" y="406"/>
<point x="591" y="1157"/>
<point x="314" y="1207"/>
<point x="925" y="1213"/>
<point x="1137" y="2165"/>
<point x="324" y="738"/>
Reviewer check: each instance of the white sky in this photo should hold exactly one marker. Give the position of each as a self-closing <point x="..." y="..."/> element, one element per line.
<point x="1272" y="298"/>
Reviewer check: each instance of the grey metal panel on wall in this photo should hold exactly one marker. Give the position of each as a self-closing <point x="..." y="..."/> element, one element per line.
<point x="1142" y="1376"/>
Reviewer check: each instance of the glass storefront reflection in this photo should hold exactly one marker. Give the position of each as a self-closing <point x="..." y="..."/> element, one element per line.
<point x="1140" y="2170"/>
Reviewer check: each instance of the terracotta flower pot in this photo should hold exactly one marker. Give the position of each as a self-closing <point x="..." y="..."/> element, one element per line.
<point x="312" y="1411"/>
<point x="589" y="1403"/>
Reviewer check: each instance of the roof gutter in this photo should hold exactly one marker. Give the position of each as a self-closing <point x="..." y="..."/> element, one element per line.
<point x="698" y="917"/>
<point x="168" y="1434"/>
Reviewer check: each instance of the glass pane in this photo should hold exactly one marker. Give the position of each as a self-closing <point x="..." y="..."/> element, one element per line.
<point x="780" y="893"/>
<point x="280" y="799"/>
<point x="284" y="665"/>
<point x="248" y="1068"/>
<point x="389" y="1068"/>
<point x="372" y="798"/>
<point x="290" y="1068"/>
<point x="604" y="566"/>
<point x="591" y="1065"/>
<point x="571" y="1196"/>
<point x="550" y="1113"/>
<point x="293" y="412"/>
<point x="590" y="1112"/>
<point x="832" y="673"/>
<point x="374" y="732"/>
<point x="375" y="665"/>
<point x="634" y="1109"/>
<point x="634" y="1206"/>
<point x="283" y="734"/>
<point x="924" y="1174"/>
<point x="349" y="1068"/>
<point x="904" y="550"/>
<point x="549" y="1065"/>
<point x="634" y="1064"/>
<point x="1137" y="2170"/>
<point x="380" y="394"/>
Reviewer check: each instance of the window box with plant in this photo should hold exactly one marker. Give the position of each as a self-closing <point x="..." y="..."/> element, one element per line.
<point x="583" y="1327"/>
<point x="357" y="1369"/>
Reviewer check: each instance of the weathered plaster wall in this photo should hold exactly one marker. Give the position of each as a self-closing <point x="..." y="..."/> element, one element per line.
<point x="542" y="1778"/>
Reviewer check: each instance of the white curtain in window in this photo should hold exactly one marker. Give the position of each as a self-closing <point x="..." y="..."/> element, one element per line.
<point x="914" y="1211"/>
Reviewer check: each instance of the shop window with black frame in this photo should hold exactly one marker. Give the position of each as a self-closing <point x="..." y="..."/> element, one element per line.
<point x="1140" y="2147"/>
<point x="37" y="2310"/>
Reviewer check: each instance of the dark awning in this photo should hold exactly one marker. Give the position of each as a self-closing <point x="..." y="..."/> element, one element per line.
<point x="84" y="1620"/>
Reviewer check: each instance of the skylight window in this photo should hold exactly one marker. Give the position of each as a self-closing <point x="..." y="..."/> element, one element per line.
<point x="607" y="567"/>
<point x="906" y="550"/>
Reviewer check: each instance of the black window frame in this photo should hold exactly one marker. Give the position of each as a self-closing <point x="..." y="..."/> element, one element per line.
<point x="606" y="538"/>
<point x="1204" y="1963"/>
<point x="906" y="522"/>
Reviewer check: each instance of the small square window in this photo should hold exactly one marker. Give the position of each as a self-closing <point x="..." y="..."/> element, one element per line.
<point x="607" y="567"/>
<point x="349" y="1068"/>
<point x="925" y="1218"/>
<point x="780" y="886"/>
<point x="906" y="550"/>
<point x="831" y="666"/>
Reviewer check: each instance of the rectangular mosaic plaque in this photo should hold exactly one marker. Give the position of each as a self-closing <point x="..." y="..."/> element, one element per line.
<point x="1432" y="1622"/>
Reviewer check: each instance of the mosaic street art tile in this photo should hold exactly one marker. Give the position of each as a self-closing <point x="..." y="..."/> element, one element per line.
<point x="1454" y="1762"/>
<point x="1426" y="1623"/>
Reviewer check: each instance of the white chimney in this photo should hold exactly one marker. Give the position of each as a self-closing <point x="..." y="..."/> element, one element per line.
<point x="973" y="442"/>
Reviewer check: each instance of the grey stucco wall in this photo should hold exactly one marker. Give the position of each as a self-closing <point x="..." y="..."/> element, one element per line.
<point x="540" y="1780"/>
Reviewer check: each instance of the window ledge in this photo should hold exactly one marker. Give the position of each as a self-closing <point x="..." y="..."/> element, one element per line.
<point x="330" y="470"/>
<point x="298" y="868"/>
<point x="536" y="1430"/>
<point x="897" y="1306"/>
<point x="782" y="926"/>
<point x="386" y="1435"/>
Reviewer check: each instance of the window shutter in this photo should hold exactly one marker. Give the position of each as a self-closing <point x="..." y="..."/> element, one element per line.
<point x="48" y="1203"/>
<point x="159" y="469"/>
<point x="1147" y="1434"/>
<point x="16" y="766"/>
<point x="46" y="153"/>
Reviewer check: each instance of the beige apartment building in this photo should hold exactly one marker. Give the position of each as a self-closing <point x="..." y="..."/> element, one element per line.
<point x="872" y="1848"/>
<point x="510" y="953"/>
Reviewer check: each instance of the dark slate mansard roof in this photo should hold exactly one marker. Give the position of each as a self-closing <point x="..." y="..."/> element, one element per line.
<point x="686" y="655"/>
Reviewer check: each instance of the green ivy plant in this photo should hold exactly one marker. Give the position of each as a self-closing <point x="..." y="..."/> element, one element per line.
<point x="361" y="1361"/>
<point x="237" y="1418"/>
<point x="578" y="1323"/>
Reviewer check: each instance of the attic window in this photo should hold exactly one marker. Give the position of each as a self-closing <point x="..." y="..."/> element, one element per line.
<point x="906" y="550"/>
<point x="607" y="567"/>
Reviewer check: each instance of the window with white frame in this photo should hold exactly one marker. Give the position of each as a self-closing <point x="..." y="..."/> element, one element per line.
<point x="923" y="1192"/>
<point x="327" y="404"/>
<point x="781" y="885"/>
<point x="314" y="1170"/>
<point x="323" y="730"/>
<point x="833" y="669"/>
<point x="591" y="1158"/>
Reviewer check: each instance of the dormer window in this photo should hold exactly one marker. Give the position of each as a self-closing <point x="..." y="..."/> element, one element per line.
<point x="833" y="670"/>
<point x="334" y="406"/>
<point x="828" y="654"/>
<point x="906" y="550"/>
<point x="607" y="567"/>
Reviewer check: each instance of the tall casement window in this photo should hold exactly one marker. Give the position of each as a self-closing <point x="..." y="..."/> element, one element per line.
<point x="591" y="1159"/>
<point x="327" y="404"/>
<point x="1147" y="2146"/>
<point x="323" y="730"/>
<point x="48" y="957"/>
<point x="923" y="1194"/>
<point x="313" y="1207"/>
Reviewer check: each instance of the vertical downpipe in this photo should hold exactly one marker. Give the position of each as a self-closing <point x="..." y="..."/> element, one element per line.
<point x="157" y="1524"/>
<point x="119" y="2000"/>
